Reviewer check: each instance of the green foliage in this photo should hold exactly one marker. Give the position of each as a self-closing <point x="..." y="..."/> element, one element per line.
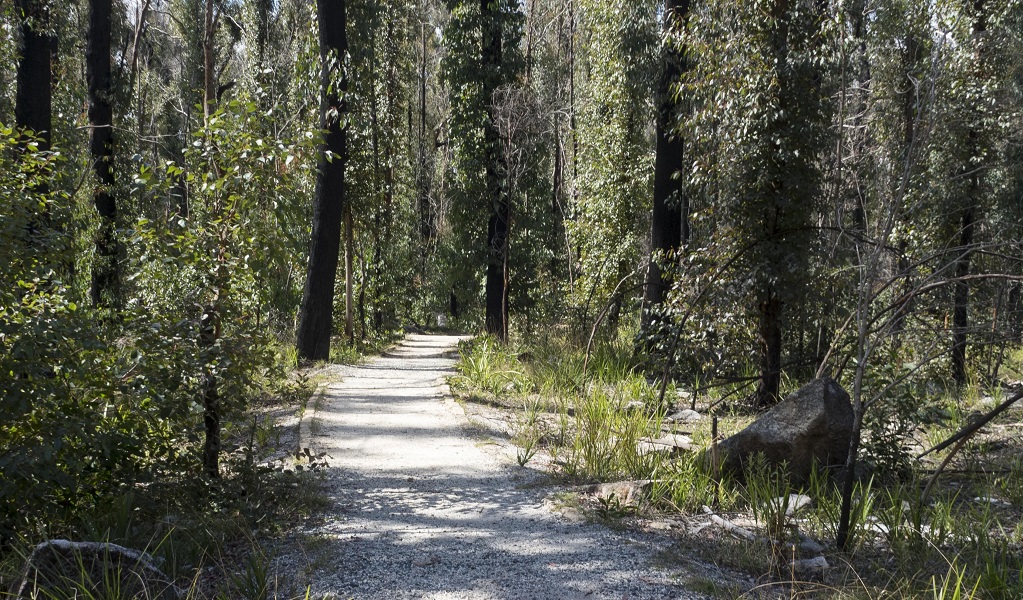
<point x="70" y="430"/>
<point x="516" y="113"/>
<point x="487" y="365"/>
<point x="98" y="402"/>
<point x="615" y="184"/>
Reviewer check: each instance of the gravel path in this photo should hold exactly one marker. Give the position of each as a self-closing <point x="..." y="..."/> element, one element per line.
<point x="423" y="509"/>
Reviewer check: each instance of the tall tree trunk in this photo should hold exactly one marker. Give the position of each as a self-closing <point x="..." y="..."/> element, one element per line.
<point x="33" y="99"/>
<point x="374" y="125"/>
<point x="209" y="85"/>
<point x="349" y="273"/>
<point x="391" y="85"/>
<point x="771" y="348"/>
<point x="32" y="103"/>
<point x="910" y="102"/>
<point x="427" y="230"/>
<point x="969" y="211"/>
<point x="209" y="333"/>
<point x="961" y="293"/>
<point x="105" y="273"/>
<point x="771" y="341"/>
<point x="497" y="195"/>
<point x="669" y="223"/>
<point x="316" y="313"/>
<point x="211" y="318"/>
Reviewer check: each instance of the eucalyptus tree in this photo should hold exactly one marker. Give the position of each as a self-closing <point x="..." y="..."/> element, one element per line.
<point x="759" y="126"/>
<point x="315" y="320"/>
<point x="975" y="165"/>
<point x="669" y="222"/>
<point x="615" y="148"/>
<point x="105" y="273"/>
<point x="34" y="100"/>
<point x="483" y="54"/>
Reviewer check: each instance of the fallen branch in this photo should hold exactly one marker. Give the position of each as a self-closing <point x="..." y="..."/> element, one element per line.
<point x="960" y="439"/>
<point x="975" y="426"/>
<point x="729" y="526"/>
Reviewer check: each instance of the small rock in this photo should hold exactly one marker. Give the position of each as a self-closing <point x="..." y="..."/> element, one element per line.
<point x="673" y="444"/>
<point x="992" y="501"/>
<point x="627" y="493"/>
<point x="809" y="548"/>
<point x="684" y="416"/>
<point x="659" y="525"/>
<point x="817" y="563"/>
<point x="792" y="504"/>
<point x="634" y="405"/>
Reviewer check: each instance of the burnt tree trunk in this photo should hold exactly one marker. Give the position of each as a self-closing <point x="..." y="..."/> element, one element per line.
<point x="316" y="313"/>
<point x="669" y="223"/>
<point x="209" y="333"/>
<point x="497" y="194"/>
<point x="969" y="211"/>
<point x="33" y="100"/>
<point x="771" y="340"/>
<point x="771" y="348"/>
<point x="105" y="274"/>
<point x="32" y="103"/>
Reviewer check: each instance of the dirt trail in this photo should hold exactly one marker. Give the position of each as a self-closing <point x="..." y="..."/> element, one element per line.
<point x="425" y="509"/>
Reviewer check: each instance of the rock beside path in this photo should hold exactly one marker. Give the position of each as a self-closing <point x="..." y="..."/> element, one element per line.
<point x="813" y="424"/>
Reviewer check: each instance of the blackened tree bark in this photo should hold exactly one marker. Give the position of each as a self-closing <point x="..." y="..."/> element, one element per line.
<point x="105" y="275"/>
<point x="669" y="224"/>
<point x="33" y="104"/>
<point x="497" y="194"/>
<point x="209" y="333"/>
<point x="768" y="388"/>
<point x="427" y="225"/>
<point x="316" y="313"/>
<point x="969" y="210"/>
<point x="33" y="99"/>
<point x="212" y="314"/>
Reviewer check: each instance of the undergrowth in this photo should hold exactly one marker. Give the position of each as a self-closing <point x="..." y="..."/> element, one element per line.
<point x="214" y="537"/>
<point x="963" y="541"/>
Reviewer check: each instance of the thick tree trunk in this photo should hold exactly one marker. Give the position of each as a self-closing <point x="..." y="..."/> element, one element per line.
<point x="33" y="104"/>
<point x="105" y="274"/>
<point x="497" y="226"/>
<point x="771" y="339"/>
<point x="669" y="223"/>
<point x="316" y="313"/>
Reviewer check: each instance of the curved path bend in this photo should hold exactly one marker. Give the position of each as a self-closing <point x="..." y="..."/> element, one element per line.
<point x="422" y="508"/>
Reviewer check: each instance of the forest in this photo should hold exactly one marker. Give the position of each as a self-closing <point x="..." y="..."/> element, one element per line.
<point x="662" y="200"/>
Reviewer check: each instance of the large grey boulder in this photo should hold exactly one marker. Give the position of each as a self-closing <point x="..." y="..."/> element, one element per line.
<point x="813" y="424"/>
<point x="61" y="569"/>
